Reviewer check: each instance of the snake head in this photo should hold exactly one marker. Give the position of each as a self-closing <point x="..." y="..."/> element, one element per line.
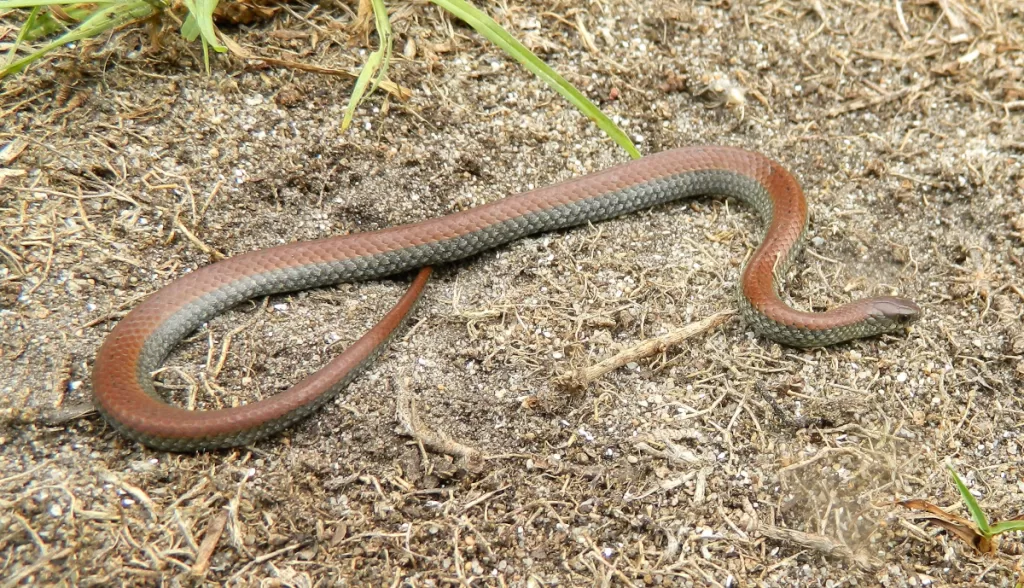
<point x="892" y="313"/>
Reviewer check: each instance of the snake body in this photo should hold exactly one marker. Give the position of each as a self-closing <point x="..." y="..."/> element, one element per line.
<point x="139" y="344"/>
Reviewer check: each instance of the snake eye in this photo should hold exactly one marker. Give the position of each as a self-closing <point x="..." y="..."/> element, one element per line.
<point x="898" y="311"/>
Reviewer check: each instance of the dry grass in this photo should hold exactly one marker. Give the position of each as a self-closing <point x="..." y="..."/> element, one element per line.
<point x="724" y="459"/>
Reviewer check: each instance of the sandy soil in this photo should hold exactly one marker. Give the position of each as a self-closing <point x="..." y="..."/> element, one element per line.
<point x="728" y="460"/>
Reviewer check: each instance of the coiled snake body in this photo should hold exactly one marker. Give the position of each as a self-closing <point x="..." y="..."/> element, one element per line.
<point x="122" y="381"/>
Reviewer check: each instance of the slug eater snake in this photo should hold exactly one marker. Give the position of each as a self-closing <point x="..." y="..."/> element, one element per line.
<point x="138" y="345"/>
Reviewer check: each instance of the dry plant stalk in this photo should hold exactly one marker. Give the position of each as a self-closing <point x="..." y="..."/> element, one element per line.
<point x="580" y="379"/>
<point x="819" y="543"/>
<point x="414" y="427"/>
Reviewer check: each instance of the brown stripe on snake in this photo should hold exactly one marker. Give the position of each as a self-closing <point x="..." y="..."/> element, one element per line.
<point x="122" y="381"/>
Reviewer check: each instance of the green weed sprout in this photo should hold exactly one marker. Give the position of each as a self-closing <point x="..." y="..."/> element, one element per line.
<point x="988" y="532"/>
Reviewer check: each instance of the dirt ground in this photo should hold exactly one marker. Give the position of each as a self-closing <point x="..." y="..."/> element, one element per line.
<point x="725" y="461"/>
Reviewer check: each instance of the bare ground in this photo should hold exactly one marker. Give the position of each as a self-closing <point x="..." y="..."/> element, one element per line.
<point x="726" y="460"/>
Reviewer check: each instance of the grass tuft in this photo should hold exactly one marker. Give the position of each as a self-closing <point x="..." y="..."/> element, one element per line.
<point x="93" y="20"/>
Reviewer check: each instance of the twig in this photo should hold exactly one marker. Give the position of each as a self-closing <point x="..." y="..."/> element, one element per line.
<point x="263" y="558"/>
<point x="789" y="420"/>
<point x="210" y="540"/>
<point x="399" y="92"/>
<point x="15" y="263"/>
<point x="819" y="543"/>
<point x="822" y="455"/>
<point x="215" y="254"/>
<point x="135" y="492"/>
<point x="415" y="428"/>
<point x="580" y="379"/>
<point x="862" y="103"/>
<point x="32" y="569"/>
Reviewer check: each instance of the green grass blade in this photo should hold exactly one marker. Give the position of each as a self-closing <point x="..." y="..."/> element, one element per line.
<point x="46" y="25"/>
<point x="359" y="90"/>
<point x="206" y="55"/>
<point x="202" y="11"/>
<point x="1006" y="527"/>
<point x="190" y="28"/>
<point x="25" y="28"/>
<point x="199" y="23"/>
<point x="487" y="27"/>
<point x="383" y="24"/>
<point x="377" y="63"/>
<point x="7" y="4"/>
<point x="41" y="23"/>
<point x="111" y="17"/>
<point x="972" y="505"/>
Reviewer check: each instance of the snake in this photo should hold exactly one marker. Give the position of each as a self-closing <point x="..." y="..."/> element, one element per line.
<point x="122" y="377"/>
